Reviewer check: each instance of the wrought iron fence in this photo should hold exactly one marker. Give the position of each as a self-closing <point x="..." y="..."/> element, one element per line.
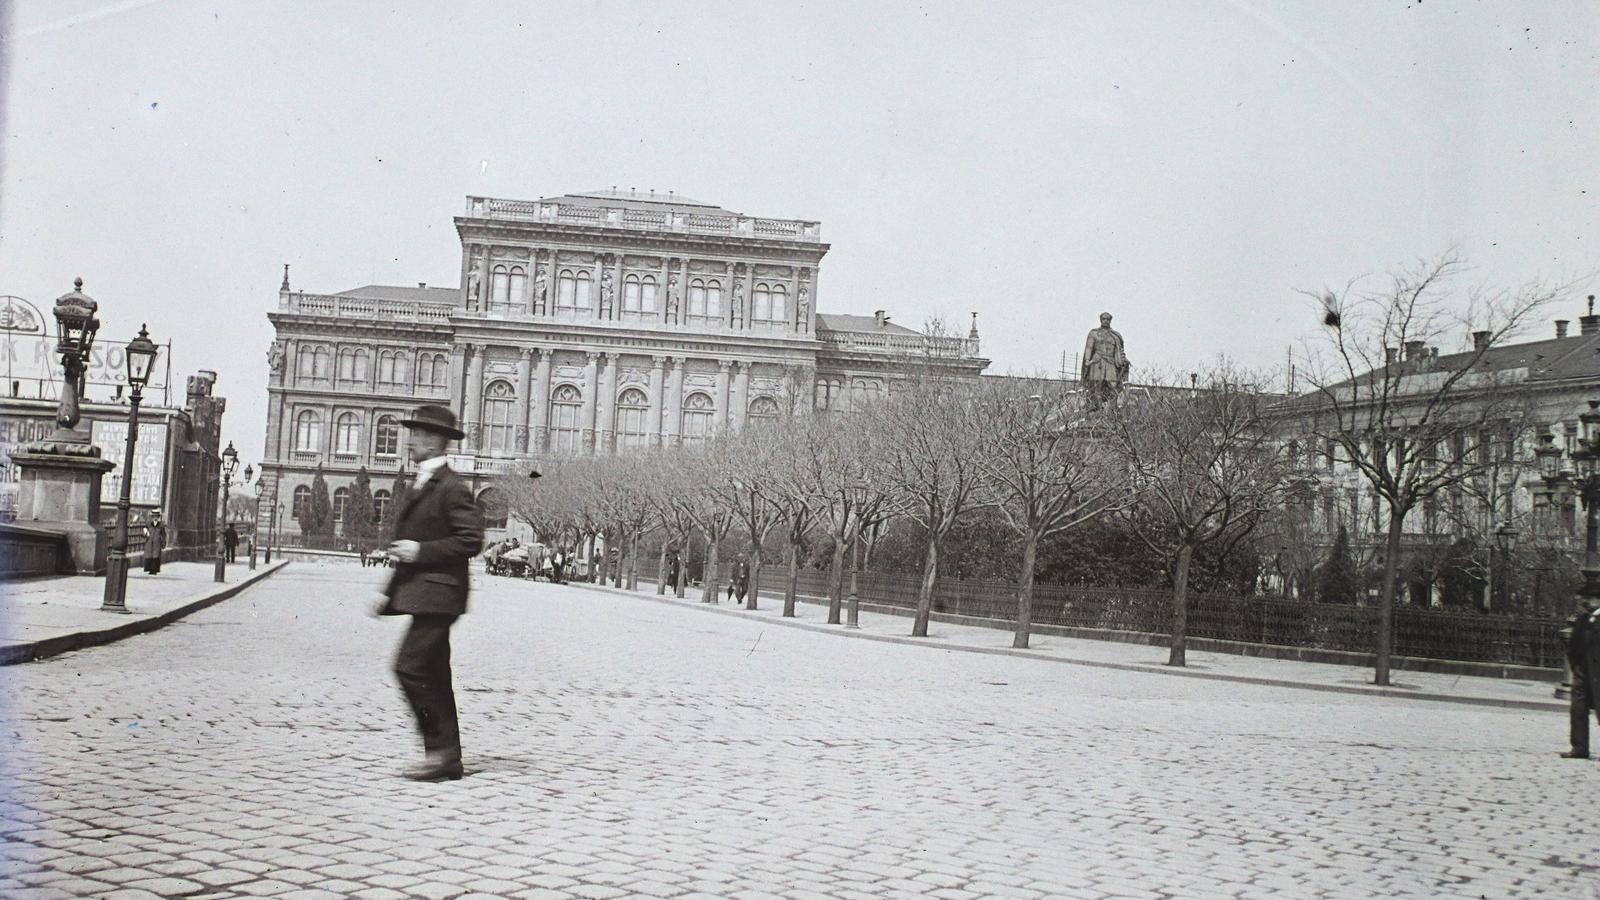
<point x="1424" y="633"/>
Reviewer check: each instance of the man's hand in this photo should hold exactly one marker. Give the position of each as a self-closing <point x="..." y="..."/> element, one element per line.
<point x="404" y="551"/>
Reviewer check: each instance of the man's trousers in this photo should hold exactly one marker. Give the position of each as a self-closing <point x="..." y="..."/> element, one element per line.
<point x="1579" y="714"/>
<point x="423" y="668"/>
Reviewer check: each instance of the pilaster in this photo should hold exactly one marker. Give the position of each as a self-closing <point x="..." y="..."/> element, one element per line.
<point x="541" y="401"/>
<point x="722" y="392"/>
<point x="652" y="422"/>
<point x="474" y="404"/>
<point x="524" y="390"/>
<point x="741" y="395"/>
<point x="674" y="401"/>
<point x="607" y="403"/>
<point x="591" y="393"/>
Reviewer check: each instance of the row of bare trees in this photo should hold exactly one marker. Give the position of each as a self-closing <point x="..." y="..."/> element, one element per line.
<point x="1190" y="465"/>
<point x="1187" y="467"/>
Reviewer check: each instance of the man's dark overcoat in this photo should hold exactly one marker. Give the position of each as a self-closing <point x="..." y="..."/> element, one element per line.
<point x="441" y="517"/>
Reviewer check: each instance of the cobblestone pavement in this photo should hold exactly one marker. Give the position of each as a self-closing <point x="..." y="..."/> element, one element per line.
<point x="619" y="747"/>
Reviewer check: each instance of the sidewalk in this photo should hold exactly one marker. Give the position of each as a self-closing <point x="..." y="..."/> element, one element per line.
<point x="812" y="613"/>
<point x="40" y="617"/>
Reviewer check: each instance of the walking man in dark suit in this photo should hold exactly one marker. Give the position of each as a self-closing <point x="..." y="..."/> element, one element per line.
<point x="437" y="531"/>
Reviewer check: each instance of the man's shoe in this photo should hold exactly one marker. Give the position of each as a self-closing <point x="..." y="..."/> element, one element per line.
<point x="1571" y="755"/>
<point x="436" y="769"/>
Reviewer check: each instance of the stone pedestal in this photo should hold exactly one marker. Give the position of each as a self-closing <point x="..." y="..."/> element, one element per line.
<point x="59" y="491"/>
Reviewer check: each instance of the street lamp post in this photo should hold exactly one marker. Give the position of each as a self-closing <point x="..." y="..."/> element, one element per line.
<point x="858" y="497"/>
<point x="230" y="461"/>
<point x="141" y="354"/>
<point x="255" y="518"/>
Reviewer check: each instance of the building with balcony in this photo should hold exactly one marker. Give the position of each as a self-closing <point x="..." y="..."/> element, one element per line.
<point x="584" y="323"/>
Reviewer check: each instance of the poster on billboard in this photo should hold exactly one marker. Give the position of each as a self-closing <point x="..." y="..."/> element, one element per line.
<point x="32" y="367"/>
<point x="16" y="431"/>
<point x="149" y="461"/>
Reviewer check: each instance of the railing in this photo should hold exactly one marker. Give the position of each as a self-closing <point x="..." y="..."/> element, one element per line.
<point x="1424" y="633"/>
<point x="898" y="344"/>
<point x="362" y="308"/>
<point x="604" y="216"/>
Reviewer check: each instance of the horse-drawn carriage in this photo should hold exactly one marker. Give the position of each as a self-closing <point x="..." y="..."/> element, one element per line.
<point x="515" y="560"/>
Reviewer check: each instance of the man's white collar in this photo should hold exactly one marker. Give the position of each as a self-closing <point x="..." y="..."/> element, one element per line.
<point x="426" y="468"/>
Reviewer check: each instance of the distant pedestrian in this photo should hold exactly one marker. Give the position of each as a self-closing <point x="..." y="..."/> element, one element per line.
<point x="741" y="579"/>
<point x="557" y="561"/>
<point x="437" y="531"/>
<point x="674" y="568"/>
<point x="230" y="542"/>
<point x="155" y="541"/>
<point x="1583" y="656"/>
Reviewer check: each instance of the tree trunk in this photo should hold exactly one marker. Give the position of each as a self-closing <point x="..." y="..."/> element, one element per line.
<point x="792" y="587"/>
<point x="680" y="587"/>
<point x="661" y="570"/>
<point x="633" y="561"/>
<point x="1180" y="607"/>
<point x="1391" y="570"/>
<point x="836" y="599"/>
<point x="709" y="577"/>
<point x="1030" y="552"/>
<point x="755" y="578"/>
<point x="930" y="574"/>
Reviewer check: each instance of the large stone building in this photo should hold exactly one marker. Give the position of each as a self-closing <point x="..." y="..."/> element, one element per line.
<point x="583" y="323"/>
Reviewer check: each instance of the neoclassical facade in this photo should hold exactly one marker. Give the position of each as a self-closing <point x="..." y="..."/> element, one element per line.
<point x="584" y="323"/>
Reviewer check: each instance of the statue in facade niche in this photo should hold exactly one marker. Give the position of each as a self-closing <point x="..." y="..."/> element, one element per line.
<point x="738" y="302"/>
<point x="472" y="288"/>
<point x="540" y="286"/>
<point x="606" y="291"/>
<point x="672" y="299"/>
<point x="275" y="358"/>
<point x="803" y="308"/>
<point x="1105" y="365"/>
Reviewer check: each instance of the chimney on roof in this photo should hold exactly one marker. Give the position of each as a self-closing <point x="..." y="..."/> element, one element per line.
<point x="1589" y="324"/>
<point x="1561" y="327"/>
<point x="1391" y="355"/>
<point x="1480" y="340"/>
<point x="1414" y="349"/>
<point x="879" y="318"/>
<point x="422" y="284"/>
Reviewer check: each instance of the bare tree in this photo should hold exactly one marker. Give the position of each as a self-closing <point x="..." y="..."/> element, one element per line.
<point x="1048" y="469"/>
<point x="752" y="484"/>
<point x="926" y="465"/>
<point x="1207" y="467"/>
<point x="1410" y="424"/>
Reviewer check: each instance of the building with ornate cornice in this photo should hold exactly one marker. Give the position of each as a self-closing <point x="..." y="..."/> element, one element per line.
<point x="583" y="323"/>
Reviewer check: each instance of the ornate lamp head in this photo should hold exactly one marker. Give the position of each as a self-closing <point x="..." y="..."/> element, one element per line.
<point x="75" y="318"/>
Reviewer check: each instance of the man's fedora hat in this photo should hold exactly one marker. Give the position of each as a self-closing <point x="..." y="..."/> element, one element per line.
<point x="432" y="417"/>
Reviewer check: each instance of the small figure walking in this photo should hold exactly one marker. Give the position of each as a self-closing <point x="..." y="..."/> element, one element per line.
<point x="155" y="541"/>
<point x="230" y="542"/>
<point x="437" y="531"/>
<point x="1583" y="655"/>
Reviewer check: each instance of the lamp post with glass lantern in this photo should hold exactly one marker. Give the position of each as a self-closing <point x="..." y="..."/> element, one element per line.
<point x="76" y="326"/>
<point x="230" y="462"/>
<point x="141" y="354"/>
<point x="255" y="519"/>
<point x="858" y="498"/>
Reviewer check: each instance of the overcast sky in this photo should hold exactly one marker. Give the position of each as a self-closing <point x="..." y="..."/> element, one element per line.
<point x="1184" y="165"/>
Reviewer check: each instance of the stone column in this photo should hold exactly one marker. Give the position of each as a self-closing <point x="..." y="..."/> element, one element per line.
<point x="458" y="378"/>
<point x="541" y="400"/>
<point x="662" y="277"/>
<point x="741" y="395"/>
<point x="524" y="393"/>
<point x="484" y="286"/>
<point x="473" y="408"/>
<point x="674" y="404"/>
<point x="652" y="420"/>
<point x="721" y="418"/>
<point x="606" y="407"/>
<point x="591" y="392"/>
<point x="291" y="361"/>
<point x="598" y="291"/>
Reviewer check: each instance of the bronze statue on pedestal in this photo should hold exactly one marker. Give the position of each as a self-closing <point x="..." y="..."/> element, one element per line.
<point x="1105" y="366"/>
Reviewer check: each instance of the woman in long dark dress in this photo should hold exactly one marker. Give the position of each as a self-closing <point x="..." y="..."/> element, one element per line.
<point x="155" y="539"/>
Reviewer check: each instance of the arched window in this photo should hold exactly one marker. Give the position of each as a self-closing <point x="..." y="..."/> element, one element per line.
<point x="386" y="366"/>
<point x="305" y="362"/>
<point x="302" y="501"/>
<point x="763" y="409"/>
<point x="780" y="304"/>
<point x="308" y="432"/>
<point x="633" y="409"/>
<point x="386" y="440"/>
<point x="697" y="299"/>
<point x="698" y="415"/>
<point x="494" y="508"/>
<point x="499" y="288"/>
<point x="499" y="401"/>
<point x="441" y="370"/>
<point x="341" y="499"/>
<point x="380" y="507"/>
<point x="867" y="392"/>
<point x="630" y="294"/>
<point x="519" y="287"/>
<point x="647" y="294"/>
<point x="566" y="429"/>
<point x="583" y="301"/>
<point x="354" y="366"/>
<point x="830" y="393"/>
<point x="323" y="363"/>
<point x="761" y="304"/>
<point x="347" y="435"/>
<point x="566" y="290"/>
